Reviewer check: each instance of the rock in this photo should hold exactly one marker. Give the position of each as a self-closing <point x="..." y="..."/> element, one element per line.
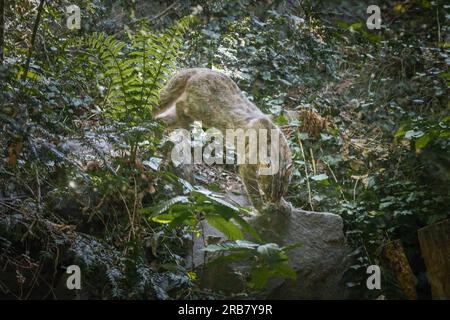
<point x="320" y="261"/>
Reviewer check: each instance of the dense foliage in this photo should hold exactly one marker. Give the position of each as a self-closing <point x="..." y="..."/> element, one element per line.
<point x="83" y="177"/>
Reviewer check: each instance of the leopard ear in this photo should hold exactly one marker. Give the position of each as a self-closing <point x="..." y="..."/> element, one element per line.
<point x="261" y="123"/>
<point x="266" y="123"/>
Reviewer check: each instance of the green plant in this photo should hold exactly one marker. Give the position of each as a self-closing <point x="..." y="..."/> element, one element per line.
<point x="267" y="259"/>
<point x="134" y="72"/>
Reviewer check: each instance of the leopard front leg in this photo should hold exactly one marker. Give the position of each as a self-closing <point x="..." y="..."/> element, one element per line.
<point x="248" y="174"/>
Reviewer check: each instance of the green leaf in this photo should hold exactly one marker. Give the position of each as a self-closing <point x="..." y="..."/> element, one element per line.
<point x="259" y="277"/>
<point x="230" y="258"/>
<point x="284" y="270"/>
<point x="164" y="206"/>
<point x="320" y="177"/>
<point x="163" y="218"/>
<point x="400" y="132"/>
<point x="247" y="227"/>
<point x="291" y="246"/>
<point x="422" y="142"/>
<point x="444" y="75"/>
<point x="269" y="251"/>
<point x="185" y="218"/>
<point x="413" y="134"/>
<point x="229" y="229"/>
<point x="356" y="26"/>
<point x="282" y="120"/>
<point x="343" y="25"/>
<point x="238" y="245"/>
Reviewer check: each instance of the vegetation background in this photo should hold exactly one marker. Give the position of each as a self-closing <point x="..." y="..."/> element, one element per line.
<point x="83" y="178"/>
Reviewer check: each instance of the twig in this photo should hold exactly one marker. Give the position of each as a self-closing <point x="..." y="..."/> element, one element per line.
<point x="306" y="173"/>
<point x="335" y="179"/>
<point x="354" y="189"/>
<point x="438" y="26"/>
<point x="12" y="208"/>
<point x="2" y="29"/>
<point x="161" y="14"/>
<point x="165" y="11"/>
<point x="33" y="39"/>
<point x="132" y="231"/>
<point x="313" y="161"/>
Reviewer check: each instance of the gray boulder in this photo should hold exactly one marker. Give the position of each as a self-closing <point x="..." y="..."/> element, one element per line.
<point x="320" y="261"/>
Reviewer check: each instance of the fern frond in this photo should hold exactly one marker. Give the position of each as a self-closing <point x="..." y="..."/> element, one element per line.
<point x="138" y="70"/>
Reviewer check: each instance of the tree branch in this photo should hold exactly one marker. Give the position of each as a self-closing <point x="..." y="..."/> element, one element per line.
<point x="33" y="39"/>
<point x="2" y="29"/>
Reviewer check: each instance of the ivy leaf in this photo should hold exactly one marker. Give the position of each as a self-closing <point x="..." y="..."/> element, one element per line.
<point x="153" y="163"/>
<point x="321" y="178"/>
<point x="413" y="134"/>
